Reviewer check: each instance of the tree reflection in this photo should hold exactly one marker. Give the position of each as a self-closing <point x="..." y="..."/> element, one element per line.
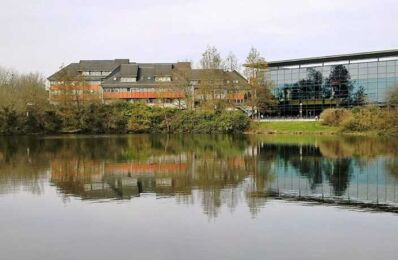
<point x="214" y="171"/>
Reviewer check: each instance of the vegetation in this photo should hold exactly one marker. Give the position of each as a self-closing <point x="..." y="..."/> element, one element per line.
<point x="21" y="92"/>
<point x="120" y="118"/>
<point x="363" y="119"/>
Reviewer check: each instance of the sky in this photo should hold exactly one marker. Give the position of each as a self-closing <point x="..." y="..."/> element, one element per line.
<point x="42" y="35"/>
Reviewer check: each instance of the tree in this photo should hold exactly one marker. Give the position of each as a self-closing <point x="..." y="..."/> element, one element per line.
<point x="265" y="100"/>
<point x="231" y="62"/>
<point x="181" y="83"/>
<point x="71" y="86"/>
<point x="20" y="90"/>
<point x="9" y="121"/>
<point x="211" y="58"/>
<point x="254" y="63"/>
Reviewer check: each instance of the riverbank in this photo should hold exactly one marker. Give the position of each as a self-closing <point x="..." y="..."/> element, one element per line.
<point x="120" y="118"/>
<point x="364" y="121"/>
<point x="292" y="127"/>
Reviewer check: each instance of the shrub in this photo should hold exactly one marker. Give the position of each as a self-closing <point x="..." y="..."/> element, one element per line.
<point x="335" y="117"/>
<point x="9" y="121"/>
<point x="371" y="119"/>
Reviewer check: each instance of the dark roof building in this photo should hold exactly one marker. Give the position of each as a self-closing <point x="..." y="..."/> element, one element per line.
<point x="117" y="79"/>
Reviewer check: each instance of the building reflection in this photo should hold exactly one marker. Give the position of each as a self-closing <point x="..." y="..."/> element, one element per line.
<point x="213" y="171"/>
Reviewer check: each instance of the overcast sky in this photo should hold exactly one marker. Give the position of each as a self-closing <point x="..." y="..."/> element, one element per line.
<point x="41" y="35"/>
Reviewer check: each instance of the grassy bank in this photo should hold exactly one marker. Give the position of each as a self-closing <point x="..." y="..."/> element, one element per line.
<point x="292" y="127"/>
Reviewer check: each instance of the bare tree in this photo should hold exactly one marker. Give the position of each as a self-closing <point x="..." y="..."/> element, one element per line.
<point x="22" y="90"/>
<point x="254" y="62"/>
<point x="71" y="87"/>
<point x="231" y="62"/>
<point x="211" y="58"/>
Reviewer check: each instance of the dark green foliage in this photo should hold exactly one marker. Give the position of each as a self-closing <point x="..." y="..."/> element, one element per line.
<point x="120" y="118"/>
<point x="98" y="118"/>
<point x="52" y="122"/>
<point x="9" y="121"/>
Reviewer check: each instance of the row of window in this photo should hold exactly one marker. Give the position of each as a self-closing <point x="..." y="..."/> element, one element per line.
<point x="196" y="82"/>
<point x="73" y="92"/>
<point x="135" y="89"/>
<point x="96" y="73"/>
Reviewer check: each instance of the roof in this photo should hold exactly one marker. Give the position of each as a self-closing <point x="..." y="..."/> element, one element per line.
<point x="144" y="74"/>
<point x="101" y="65"/>
<point x="71" y="71"/>
<point x="74" y="69"/>
<point x="336" y="58"/>
<point x="220" y="75"/>
<point x="129" y="70"/>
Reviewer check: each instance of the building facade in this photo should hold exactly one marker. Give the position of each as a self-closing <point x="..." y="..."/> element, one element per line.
<point x="165" y="84"/>
<point x="307" y="86"/>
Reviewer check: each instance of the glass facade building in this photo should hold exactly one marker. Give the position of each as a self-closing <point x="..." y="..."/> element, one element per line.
<point x="307" y="86"/>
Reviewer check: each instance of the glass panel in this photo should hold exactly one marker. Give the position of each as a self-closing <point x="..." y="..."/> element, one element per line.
<point x="372" y="64"/>
<point x="390" y="69"/>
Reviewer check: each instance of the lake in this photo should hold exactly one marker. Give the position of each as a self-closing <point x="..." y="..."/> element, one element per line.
<point x="198" y="197"/>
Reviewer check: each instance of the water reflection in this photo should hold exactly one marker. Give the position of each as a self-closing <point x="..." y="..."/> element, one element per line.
<point x="215" y="171"/>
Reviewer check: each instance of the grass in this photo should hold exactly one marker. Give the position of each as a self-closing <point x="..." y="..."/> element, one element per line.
<point x="294" y="127"/>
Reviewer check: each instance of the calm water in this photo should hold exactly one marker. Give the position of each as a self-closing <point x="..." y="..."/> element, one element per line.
<point x="198" y="197"/>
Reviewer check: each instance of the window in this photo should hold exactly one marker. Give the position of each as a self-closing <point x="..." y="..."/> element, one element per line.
<point x="95" y="73"/>
<point x="163" y="79"/>
<point x="127" y="79"/>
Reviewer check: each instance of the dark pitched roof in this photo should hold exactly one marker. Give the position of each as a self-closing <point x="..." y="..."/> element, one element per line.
<point x="219" y="75"/>
<point x="163" y="69"/>
<point x="101" y="65"/>
<point x="144" y="73"/>
<point x="74" y="69"/>
<point x="70" y="71"/>
<point x="129" y="70"/>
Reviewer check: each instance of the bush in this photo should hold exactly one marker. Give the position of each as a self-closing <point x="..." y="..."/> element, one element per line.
<point x="10" y="122"/>
<point x="335" y="117"/>
<point x="372" y="119"/>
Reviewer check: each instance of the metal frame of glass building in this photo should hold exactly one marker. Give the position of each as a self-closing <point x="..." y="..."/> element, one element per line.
<point x="304" y="87"/>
